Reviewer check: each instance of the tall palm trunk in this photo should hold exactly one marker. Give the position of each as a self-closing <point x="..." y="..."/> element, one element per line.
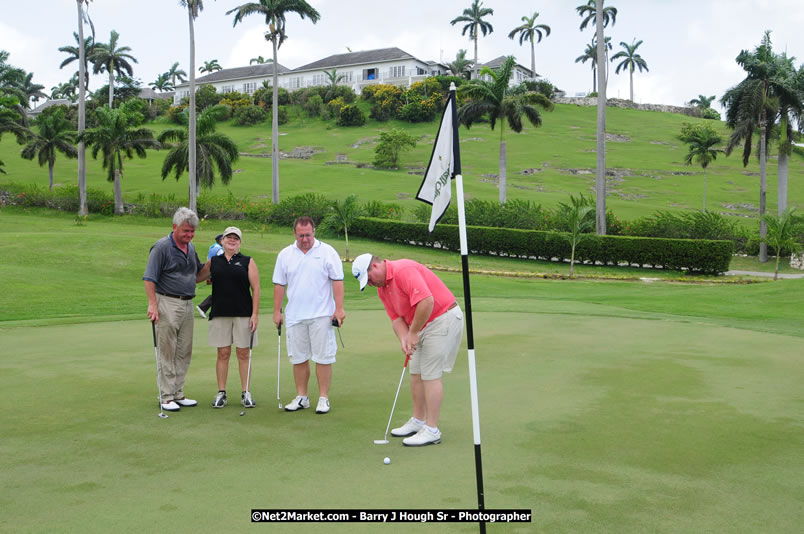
<point x="763" y="185"/>
<point x="275" y="127"/>
<point x="111" y="86"/>
<point x="784" y="146"/>
<point x="50" y="164"/>
<point x="118" y="193"/>
<point x="594" y="77"/>
<point x="532" y="60"/>
<point x="477" y="69"/>
<point x="600" y="178"/>
<point x="704" y="199"/>
<point x="193" y="180"/>
<point x="631" y="74"/>
<point x="503" y="178"/>
<point x="83" y="209"/>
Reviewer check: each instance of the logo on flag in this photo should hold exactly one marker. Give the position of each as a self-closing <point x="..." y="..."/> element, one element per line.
<point x="436" y="189"/>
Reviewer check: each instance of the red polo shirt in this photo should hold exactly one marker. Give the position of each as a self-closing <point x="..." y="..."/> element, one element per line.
<point x="406" y="284"/>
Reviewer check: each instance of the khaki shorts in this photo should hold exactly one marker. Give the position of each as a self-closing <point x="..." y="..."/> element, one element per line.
<point x="312" y="339"/>
<point x="438" y="346"/>
<point x="228" y="331"/>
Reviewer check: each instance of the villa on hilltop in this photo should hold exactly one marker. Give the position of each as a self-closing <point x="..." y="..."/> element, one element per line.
<point x="357" y="69"/>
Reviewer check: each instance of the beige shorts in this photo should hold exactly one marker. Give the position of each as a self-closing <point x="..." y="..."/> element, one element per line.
<point x="228" y="331"/>
<point x="312" y="339"/>
<point x="438" y="346"/>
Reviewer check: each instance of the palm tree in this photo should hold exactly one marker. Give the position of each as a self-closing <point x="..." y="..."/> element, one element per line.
<point x="117" y="138"/>
<point x="590" y="54"/>
<point x="194" y="7"/>
<point x="748" y="105"/>
<point x="702" y="102"/>
<point x="492" y="99"/>
<point x="473" y="17"/>
<point x="65" y="90"/>
<point x="30" y="90"/>
<point x="10" y="116"/>
<point x="333" y="77"/>
<point x="790" y="109"/>
<point x="74" y="54"/>
<point x="259" y="60"/>
<point x="110" y="58"/>
<point x="631" y="60"/>
<point x="275" y="12"/>
<point x="458" y="67"/>
<point x="83" y="208"/>
<point x="702" y="140"/>
<point x="780" y="235"/>
<point x="343" y="215"/>
<point x="579" y="222"/>
<point x="175" y="73"/>
<point x="594" y="10"/>
<point x="527" y="32"/>
<point x="210" y="66"/>
<point x="55" y="134"/>
<point x="213" y="149"/>
<point x="162" y="83"/>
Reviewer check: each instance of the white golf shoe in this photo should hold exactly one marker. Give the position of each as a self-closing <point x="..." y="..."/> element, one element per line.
<point x="186" y="402"/>
<point x="170" y="406"/>
<point x="408" y="429"/>
<point x="323" y="405"/>
<point x="423" y="437"/>
<point x="299" y="403"/>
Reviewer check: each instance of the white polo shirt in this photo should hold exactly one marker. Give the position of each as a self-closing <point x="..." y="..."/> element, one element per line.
<point x="308" y="279"/>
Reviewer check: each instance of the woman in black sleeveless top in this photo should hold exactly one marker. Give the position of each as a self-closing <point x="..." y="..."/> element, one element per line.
<point x="234" y="315"/>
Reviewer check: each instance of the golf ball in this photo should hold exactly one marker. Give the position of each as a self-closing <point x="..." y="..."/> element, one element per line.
<point x="387" y="461"/>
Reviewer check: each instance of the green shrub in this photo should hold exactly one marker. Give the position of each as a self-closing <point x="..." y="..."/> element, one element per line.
<point x="350" y="115"/>
<point x="159" y="107"/>
<point x="173" y="113"/>
<point x="282" y="116"/>
<point x="236" y="104"/>
<point x="250" y="115"/>
<point x="392" y="142"/>
<point x="314" y="105"/>
<point x="312" y="205"/>
<point x="384" y="210"/>
<point x="206" y="96"/>
<point x="692" y="225"/>
<point x="343" y="92"/>
<point x="710" y="113"/>
<point x="386" y="99"/>
<point x="704" y="256"/>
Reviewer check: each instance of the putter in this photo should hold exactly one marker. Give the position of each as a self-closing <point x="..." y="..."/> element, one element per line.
<point x="338" y="326"/>
<point x="278" y="359"/>
<point x="161" y="413"/>
<point x="248" y="373"/>
<point x="384" y="441"/>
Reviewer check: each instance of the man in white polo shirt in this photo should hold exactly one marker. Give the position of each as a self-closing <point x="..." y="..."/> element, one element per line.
<point x="312" y="273"/>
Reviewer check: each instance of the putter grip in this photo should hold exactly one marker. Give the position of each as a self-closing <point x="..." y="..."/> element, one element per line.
<point x="279" y="326"/>
<point x="153" y="327"/>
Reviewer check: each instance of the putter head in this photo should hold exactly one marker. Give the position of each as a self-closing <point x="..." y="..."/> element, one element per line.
<point x="381" y="442"/>
<point x="242" y="413"/>
<point x="162" y="415"/>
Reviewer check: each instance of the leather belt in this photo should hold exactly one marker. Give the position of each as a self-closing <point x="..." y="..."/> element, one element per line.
<point x="180" y="297"/>
<point x="453" y="305"/>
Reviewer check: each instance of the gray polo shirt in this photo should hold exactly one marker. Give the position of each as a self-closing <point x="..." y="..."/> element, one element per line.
<point x="172" y="270"/>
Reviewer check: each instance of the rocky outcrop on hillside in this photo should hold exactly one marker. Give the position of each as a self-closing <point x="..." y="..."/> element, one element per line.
<point x="627" y="104"/>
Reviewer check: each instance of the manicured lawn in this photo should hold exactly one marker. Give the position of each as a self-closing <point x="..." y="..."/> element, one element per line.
<point x="605" y="406"/>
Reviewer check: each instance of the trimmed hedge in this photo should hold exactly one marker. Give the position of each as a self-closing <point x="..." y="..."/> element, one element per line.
<point x="705" y="256"/>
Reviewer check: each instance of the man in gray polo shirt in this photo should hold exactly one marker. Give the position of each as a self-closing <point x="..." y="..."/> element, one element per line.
<point x="170" y="276"/>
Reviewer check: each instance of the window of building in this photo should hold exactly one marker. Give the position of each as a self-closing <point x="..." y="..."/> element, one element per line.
<point x="249" y="87"/>
<point x="370" y="74"/>
<point x="227" y="89"/>
<point x="397" y="72"/>
<point x="320" y="79"/>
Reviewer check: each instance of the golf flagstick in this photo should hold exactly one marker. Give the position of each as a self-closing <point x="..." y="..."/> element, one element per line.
<point x="161" y="413"/>
<point x="436" y="190"/>
<point x="384" y="441"/>
<point x="248" y="373"/>
<point x="278" y="357"/>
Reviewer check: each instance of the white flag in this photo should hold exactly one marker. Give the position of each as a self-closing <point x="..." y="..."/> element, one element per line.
<point x="436" y="189"/>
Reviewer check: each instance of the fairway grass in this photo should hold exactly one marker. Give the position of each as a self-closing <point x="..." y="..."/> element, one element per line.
<point x="605" y="406"/>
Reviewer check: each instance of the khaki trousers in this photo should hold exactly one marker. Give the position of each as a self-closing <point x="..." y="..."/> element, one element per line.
<point x="174" y="339"/>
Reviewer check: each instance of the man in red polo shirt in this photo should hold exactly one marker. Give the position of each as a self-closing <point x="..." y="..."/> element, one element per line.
<point x="429" y="324"/>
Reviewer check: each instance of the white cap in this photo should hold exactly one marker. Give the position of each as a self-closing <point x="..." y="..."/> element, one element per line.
<point x="233" y="230"/>
<point x="360" y="269"/>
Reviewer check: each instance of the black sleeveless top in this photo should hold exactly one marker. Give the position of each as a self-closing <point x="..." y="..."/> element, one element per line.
<point x="231" y="295"/>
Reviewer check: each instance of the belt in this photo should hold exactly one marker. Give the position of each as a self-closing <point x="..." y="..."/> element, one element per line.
<point x="452" y="305"/>
<point x="180" y="297"/>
